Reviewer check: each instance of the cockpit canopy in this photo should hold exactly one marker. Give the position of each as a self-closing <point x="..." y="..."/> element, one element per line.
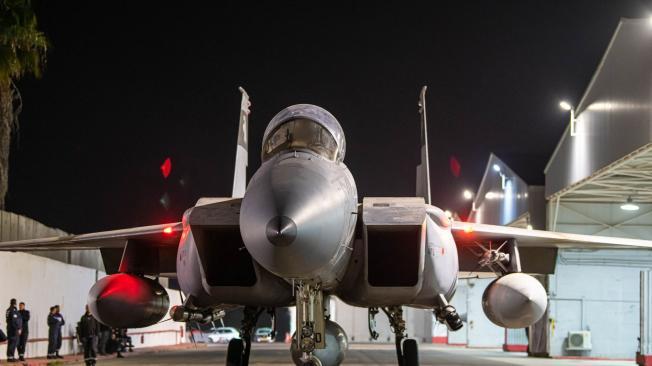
<point x="300" y="134"/>
<point x="304" y="127"/>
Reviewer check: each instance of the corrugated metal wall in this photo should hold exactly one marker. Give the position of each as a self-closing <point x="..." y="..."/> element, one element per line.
<point x="615" y="115"/>
<point x="18" y="227"/>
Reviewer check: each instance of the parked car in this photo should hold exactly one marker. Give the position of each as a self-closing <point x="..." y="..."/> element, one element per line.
<point x="264" y="335"/>
<point x="223" y="335"/>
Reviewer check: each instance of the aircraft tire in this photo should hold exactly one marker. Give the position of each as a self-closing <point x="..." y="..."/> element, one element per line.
<point x="234" y="352"/>
<point x="410" y="353"/>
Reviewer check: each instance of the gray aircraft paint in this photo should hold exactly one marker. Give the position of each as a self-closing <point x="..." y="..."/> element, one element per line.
<point x="312" y="198"/>
<point x="242" y="149"/>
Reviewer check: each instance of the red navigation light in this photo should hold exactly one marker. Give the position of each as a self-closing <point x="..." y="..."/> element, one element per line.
<point x="166" y="168"/>
<point x="455" y="166"/>
<point x="168" y="230"/>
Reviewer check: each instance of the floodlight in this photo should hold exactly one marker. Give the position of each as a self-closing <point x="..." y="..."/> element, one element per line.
<point x="565" y="105"/>
<point x="629" y="205"/>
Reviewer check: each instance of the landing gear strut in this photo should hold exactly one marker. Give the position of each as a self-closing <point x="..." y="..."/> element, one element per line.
<point x="407" y="351"/>
<point x="310" y="322"/>
<point x="239" y="349"/>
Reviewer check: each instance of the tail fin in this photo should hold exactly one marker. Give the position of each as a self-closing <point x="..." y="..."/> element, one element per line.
<point x="242" y="152"/>
<point x="423" y="169"/>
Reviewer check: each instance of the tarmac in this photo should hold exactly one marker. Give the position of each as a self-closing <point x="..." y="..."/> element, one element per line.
<point x="358" y="354"/>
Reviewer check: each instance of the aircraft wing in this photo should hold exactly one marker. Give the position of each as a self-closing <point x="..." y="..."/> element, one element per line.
<point x="162" y="234"/>
<point x="537" y="248"/>
<point x="466" y="233"/>
<point x="146" y="249"/>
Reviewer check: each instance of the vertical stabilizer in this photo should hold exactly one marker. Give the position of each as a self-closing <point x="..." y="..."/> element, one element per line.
<point x="423" y="169"/>
<point x="242" y="149"/>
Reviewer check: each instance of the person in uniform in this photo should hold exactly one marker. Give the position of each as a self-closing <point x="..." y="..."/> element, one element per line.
<point x="52" y="333"/>
<point x="105" y="334"/>
<point x="14" y="328"/>
<point x="22" y="340"/>
<point x="61" y="323"/>
<point x="89" y="329"/>
<point x="119" y="335"/>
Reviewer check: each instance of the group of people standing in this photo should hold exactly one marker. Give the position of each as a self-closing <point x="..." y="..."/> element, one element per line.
<point x="91" y="333"/>
<point x="17" y="330"/>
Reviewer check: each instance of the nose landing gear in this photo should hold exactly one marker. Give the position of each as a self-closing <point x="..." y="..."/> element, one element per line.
<point x="310" y="322"/>
<point x="407" y="351"/>
<point x="238" y="351"/>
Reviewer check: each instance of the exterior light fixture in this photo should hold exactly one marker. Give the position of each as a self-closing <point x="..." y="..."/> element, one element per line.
<point x="467" y="194"/>
<point x="568" y="107"/>
<point x="565" y="105"/>
<point x="629" y="205"/>
<point x="496" y="167"/>
<point x="448" y="214"/>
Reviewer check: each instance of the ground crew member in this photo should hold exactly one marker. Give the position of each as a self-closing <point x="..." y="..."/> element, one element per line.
<point x="105" y="334"/>
<point x="120" y="339"/>
<point x="14" y="327"/>
<point x="89" y="329"/>
<point x="62" y="322"/>
<point x="22" y="340"/>
<point x="54" y="333"/>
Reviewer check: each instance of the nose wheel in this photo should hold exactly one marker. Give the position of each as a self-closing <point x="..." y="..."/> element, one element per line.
<point x="237" y="354"/>
<point x="407" y="351"/>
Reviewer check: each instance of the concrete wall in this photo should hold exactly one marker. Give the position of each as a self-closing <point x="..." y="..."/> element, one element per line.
<point x="598" y="290"/>
<point x="478" y="331"/>
<point x="591" y="292"/>
<point x="42" y="282"/>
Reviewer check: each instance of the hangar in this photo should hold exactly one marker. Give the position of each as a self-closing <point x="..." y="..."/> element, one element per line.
<point x="598" y="181"/>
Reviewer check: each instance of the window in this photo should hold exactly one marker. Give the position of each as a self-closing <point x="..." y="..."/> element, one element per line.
<point x="299" y="134"/>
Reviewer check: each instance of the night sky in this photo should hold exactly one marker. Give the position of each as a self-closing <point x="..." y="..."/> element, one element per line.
<point x="128" y="84"/>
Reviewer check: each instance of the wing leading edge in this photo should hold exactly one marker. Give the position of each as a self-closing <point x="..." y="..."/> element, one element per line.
<point x="162" y="234"/>
<point x="467" y="233"/>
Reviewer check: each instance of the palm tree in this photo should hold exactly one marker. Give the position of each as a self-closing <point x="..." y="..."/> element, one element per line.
<point x="22" y="52"/>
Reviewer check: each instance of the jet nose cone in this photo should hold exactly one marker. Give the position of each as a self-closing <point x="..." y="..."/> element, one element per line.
<point x="296" y="216"/>
<point x="281" y="231"/>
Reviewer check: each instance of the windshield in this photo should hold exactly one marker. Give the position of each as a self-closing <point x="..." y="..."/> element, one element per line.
<point x="301" y="133"/>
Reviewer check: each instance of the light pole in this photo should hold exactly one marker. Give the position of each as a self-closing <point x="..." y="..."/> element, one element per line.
<point x="568" y="107"/>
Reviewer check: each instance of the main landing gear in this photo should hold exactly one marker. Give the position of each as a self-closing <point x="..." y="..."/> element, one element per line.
<point x="407" y="351"/>
<point x="238" y="351"/>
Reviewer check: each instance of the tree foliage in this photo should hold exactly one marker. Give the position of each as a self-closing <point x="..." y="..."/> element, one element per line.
<point x="22" y="46"/>
<point x="22" y="51"/>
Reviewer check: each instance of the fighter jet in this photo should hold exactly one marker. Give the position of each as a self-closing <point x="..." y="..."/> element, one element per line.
<point x="297" y="233"/>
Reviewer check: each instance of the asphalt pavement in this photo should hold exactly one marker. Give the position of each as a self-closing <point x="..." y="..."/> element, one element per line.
<point x="358" y="354"/>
